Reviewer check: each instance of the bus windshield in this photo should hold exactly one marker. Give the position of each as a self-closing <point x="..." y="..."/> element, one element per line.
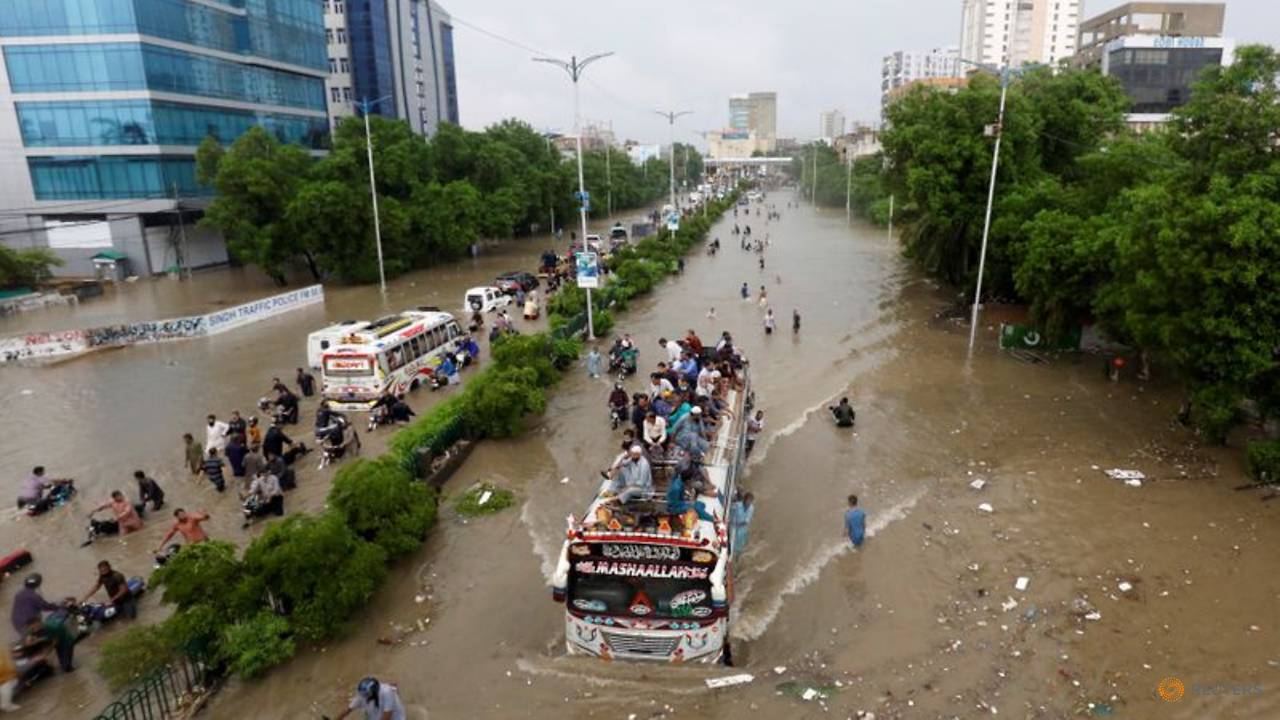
<point x="640" y="597"/>
<point x="348" y="366"/>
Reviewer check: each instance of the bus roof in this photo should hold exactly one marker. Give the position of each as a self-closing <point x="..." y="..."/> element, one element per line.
<point x="387" y="331"/>
<point x="719" y="462"/>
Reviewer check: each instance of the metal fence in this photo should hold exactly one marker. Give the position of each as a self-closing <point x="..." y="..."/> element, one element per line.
<point x="159" y="696"/>
<point x="572" y="328"/>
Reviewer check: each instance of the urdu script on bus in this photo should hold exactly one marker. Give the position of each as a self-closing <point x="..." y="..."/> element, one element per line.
<point x="646" y="570"/>
<point x="640" y="552"/>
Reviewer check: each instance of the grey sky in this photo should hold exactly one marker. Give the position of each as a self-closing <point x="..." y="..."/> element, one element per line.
<point x="693" y="54"/>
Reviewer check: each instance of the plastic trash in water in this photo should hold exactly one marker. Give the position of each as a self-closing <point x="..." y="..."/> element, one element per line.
<point x="986" y="508"/>
<point x="1120" y="474"/>
<point x="484" y="497"/>
<point x="978" y="484"/>
<point x="730" y="680"/>
<point x="1124" y="586"/>
<point x="1009" y="604"/>
<point x="808" y="694"/>
<point x="1021" y="583"/>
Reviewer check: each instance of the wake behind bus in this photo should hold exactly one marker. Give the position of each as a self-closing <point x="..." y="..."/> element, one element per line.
<point x="395" y="353"/>
<point x="640" y="582"/>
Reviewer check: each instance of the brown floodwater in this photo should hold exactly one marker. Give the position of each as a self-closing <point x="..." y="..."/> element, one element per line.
<point x="923" y="621"/>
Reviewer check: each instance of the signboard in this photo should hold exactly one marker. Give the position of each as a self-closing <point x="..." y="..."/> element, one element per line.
<point x="638" y="551"/>
<point x="1174" y="41"/>
<point x="1027" y="337"/>
<point x="673" y="221"/>
<point x="643" y="570"/>
<point x="588" y="264"/>
<point x="224" y="320"/>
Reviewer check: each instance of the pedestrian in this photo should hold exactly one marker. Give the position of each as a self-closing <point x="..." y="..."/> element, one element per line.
<point x="148" y="492"/>
<point x="188" y="525"/>
<point x="764" y="297"/>
<point x="193" y="453"/>
<point x="377" y="700"/>
<point x="744" y="509"/>
<point x="762" y="262"/>
<point x="117" y="587"/>
<point x="253" y="462"/>
<point x="746" y="292"/>
<point x="235" y="453"/>
<point x="769" y="322"/>
<point x="795" y="320"/>
<point x="212" y="470"/>
<point x="264" y="497"/>
<point x="215" y="433"/>
<point x="844" y="413"/>
<point x="273" y="444"/>
<point x="593" y="363"/>
<point x="236" y="426"/>
<point x="8" y="683"/>
<point x="306" y="383"/>
<point x="254" y="434"/>
<point x="754" y="427"/>
<point x="855" y="522"/>
<point x="125" y="513"/>
<point x="711" y="314"/>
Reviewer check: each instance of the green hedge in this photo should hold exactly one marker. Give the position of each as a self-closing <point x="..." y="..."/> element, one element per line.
<point x="305" y="577"/>
<point x="1264" y="460"/>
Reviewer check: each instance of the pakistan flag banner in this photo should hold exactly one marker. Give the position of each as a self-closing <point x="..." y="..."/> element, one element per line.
<point x="1028" y="337"/>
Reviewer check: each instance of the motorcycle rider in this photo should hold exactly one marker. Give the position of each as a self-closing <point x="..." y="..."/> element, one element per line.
<point x="117" y="587"/>
<point x="35" y="489"/>
<point x="379" y="410"/>
<point x="618" y="401"/>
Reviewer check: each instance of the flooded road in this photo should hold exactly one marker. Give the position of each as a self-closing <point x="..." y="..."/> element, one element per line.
<point x="923" y="621"/>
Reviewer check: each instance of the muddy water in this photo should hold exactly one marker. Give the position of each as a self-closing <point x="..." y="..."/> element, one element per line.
<point x="911" y="625"/>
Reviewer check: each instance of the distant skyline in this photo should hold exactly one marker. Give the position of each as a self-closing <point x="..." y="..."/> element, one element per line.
<point x="816" y="54"/>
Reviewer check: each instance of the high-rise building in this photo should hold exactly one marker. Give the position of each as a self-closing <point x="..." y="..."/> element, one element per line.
<point x="755" y="112"/>
<point x="830" y="124"/>
<point x="397" y="50"/>
<point x="905" y="67"/>
<point x="1156" y="50"/>
<point x="1016" y="32"/>
<point x="102" y="106"/>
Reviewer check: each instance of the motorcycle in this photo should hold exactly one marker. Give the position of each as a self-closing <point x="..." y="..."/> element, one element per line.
<point x="57" y="496"/>
<point x="336" y="443"/>
<point x="96" y="614"/>
<point x="379" y="416"/>
<point x="100" y="528"/>
<point x="166" y="554"/>
<point x="617" y="415"/>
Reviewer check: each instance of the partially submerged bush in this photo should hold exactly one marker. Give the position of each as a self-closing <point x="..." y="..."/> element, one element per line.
<point x="484" y="499"/>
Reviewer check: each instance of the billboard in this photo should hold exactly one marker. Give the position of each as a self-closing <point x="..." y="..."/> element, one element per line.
<point x="588" y="264"/>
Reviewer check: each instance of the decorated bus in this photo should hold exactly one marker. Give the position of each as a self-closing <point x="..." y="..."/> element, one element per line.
<point x="641" y="583"/>
<point x="395" y="353"/>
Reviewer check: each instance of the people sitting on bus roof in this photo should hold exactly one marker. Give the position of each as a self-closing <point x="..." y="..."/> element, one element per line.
<point x="693" y="342"/>
<point x="663" y="404"/>
<point x="633" y="479"/>
<point x="655" y="431"/>
<point x="658" y="385"/>
<point x="681" y="408"/>
<point x="678" y="503"/>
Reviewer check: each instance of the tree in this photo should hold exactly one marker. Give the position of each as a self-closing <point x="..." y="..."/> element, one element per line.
<point x="27" y="267"/>
<point x="254" y="180"/>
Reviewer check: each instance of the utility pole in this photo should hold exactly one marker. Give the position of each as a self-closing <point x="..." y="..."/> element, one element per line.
<point x="574" y="68"/>
<point x="547" y="134"/>
<point x="608" y="173"/>
<point x="365" y="106"/>
<point x="671" y="116"/>
<point x="184" y="263"/>
<point x="848" y="194"/>
<point x="813" y="193"/>
<point x="890" y="217"/>
<point x="1006" y="74"/>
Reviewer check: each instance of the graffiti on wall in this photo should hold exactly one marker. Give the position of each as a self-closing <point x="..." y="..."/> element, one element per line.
<point x="41" y="346"/>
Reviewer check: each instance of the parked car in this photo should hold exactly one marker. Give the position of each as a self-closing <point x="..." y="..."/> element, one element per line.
<point x="512" y="281"/>
<point x="484" y="299"/>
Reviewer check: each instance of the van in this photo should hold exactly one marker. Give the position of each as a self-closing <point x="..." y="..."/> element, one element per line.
<point x="484" y="299"/>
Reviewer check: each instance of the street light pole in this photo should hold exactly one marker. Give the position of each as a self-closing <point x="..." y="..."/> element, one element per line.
<point x="1005" y="74"/>
<point x="671" y="116"/>
<point x="365" y="106"/>
<point x="575" y="67"/>
<point x="813" y="192"/>
<point x="608" y="174"/>
<point x="848" y="194"/>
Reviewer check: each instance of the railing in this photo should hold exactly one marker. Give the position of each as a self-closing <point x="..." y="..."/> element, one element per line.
<point x="575" y="325"/>
<point x="159" y="696"/>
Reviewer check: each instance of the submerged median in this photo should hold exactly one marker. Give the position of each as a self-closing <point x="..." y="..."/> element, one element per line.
<point x="305" y="578"/>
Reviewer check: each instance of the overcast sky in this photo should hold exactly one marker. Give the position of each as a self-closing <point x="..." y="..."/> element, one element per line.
<point x="694" y="54"/>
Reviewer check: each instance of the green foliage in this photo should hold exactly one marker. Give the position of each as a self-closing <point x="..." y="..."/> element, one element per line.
<point x="256" y="645"/>
<point x="436" y="196"/>
<point x="1264" y="460"/>
<point x="497" y="400"/>
<point x="469" y="505"/>
<point x="532" y="352"/>
<point x="26" y="268"/>
<point x="435" y="430"/>
<point x="187" y="577"/>
<point x="1167" y="239"/>
<point x="382" y="502"/>
<point x="317" y="569"/>
<point x="127" y="657"/>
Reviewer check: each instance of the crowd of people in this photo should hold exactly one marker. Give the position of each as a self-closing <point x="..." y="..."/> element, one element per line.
<point x="670" y="426"/>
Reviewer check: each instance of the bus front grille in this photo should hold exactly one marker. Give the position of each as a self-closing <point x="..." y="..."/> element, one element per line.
<point x="641" y="644"/>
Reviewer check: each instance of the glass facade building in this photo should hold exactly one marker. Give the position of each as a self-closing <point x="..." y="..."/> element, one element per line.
<point x="110" y="97"/>
<point x="1157" y="80"/>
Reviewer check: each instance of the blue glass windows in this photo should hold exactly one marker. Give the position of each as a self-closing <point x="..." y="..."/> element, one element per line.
<point x="113" y="177"/>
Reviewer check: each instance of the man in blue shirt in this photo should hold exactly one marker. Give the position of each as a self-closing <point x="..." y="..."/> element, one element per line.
<point x="855" y="522"/>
